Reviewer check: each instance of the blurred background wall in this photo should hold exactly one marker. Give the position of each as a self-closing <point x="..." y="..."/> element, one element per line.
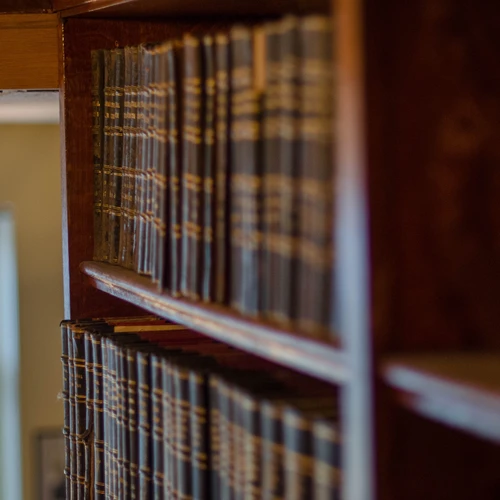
<point x="30" y="183"/>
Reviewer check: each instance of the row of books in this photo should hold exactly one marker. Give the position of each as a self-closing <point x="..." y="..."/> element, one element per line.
<point x="153" y="410"/>
<point x="214" y="168"/>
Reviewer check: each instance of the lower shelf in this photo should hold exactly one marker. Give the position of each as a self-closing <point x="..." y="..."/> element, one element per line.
<point x="326" y="362"/>
<point x="458" y="389"/>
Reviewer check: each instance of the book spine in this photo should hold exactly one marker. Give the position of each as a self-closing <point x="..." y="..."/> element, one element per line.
<point x="122" y="424"/>
<point x="192" y="168"/>
<point x="108" y="149"/>
<point x="115" y="168"/>
<point x="133" y="174"/>
<point x="99" y="486"/>
<point x="141" y="156"/>
<point x="315" y="170"/>
<point x="236" y="464"/>
<point x="225" y="441"/>
<point x="174" y="72"/>
<point x="215" y="442"/>
<point x="80" y="410"/>
<point x="246" y="178"/>
<point x="126" y="157"/>
<point x="250" y="485"/>
<point x="88" y="433"/>
<point x="222" y="154"/>
<point x="182" y="441"/>
<point x="327" y="477"/>
<point x="198" y="430"/>
<point x="298" y="454"/>
<point x="160" y="202"/>
<point x="168" y="425"/>
<point x="67" y="406"/>
<point x="106" y="413"/>
<point x="132" y="424"/>
<point x="157" y="426"/>
<point x="271" y="162"/>
<point x="97" y="57"/>
<point x="144" y="424"/>
<point x="272" y="479"/>
<point x="207" y="267"/>
<point x="72" y="417"/>
<point x="149" y="160"/>
<point x="113" y="389"/>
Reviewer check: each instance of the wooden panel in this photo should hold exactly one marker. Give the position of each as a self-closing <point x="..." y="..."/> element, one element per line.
<point x="461" y="390"/>
<point x="150" y="8"/>
<point x="25" y="6"/>
<point x="434" y="149"/>
<point x="326" y="362"/>
<point x="80" y="37"/>
<point x="29" y="51"/>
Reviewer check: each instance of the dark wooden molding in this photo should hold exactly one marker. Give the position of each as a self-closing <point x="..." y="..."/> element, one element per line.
<point x="326" y="362"/>
<point x="25" y="6"/>
<point x="458" y="389"/>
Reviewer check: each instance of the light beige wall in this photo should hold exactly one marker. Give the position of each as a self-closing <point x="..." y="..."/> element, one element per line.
<point x="30" y="179"/>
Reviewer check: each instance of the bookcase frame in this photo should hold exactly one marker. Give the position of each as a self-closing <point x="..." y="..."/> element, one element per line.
<point x="416" y="230"/>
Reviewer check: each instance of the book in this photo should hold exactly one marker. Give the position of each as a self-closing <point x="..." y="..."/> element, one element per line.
<point x="192" y="167"/>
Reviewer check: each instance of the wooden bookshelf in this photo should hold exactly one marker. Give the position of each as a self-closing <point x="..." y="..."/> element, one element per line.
<point x="326" y="362"/>
<point x="457" y="389"/>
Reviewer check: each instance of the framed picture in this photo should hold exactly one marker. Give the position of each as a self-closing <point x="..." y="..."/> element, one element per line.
<point x="50" y="464"/>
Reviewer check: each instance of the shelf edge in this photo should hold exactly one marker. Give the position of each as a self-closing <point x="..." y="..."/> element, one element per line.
<point x="326" y="362"/>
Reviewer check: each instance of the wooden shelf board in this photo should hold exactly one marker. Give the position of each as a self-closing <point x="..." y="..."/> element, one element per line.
<point x="458" y="389"/>
<point x="326" y="362"/>
<point x="154" y="8"/>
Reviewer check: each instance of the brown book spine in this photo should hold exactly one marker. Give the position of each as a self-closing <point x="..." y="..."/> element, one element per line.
<point x="67" y="405"/>
<point x="327" y="475"/>
<point x="157" y="426"/>
<point x="144" y="423"/>
<point x="126" y="174"/>
<point x="215" y="442"/>
<point x="72" y="417"/>
<point x="133" y="447"/>
<point x="115" y="167"/>
<point x="271" y="164"/>
<point x="132" y="172"/>
<point x="169" y="429"/>
<point x="199" y="431"/>
<point x="222" y="155"/>
<point x="97" y="57"/>
<point x="250" y="485"/>
<point x="106" y="414"/>
<point x="272" y="480"/>
<point x="113" y="452"/>
<point x="99" y="486"/>
<point x="208" y="215"/>
<point x="315" y="170"/>
<point x="88" y="433"/>
<point x="122" y="424"/>
<point x="246" y="175"/>
<point x="143" y="110"/>
<point x="298" y="459"/>
<point x="174" y="121"/>
<point x="78" y="341"/>
<point x="192" y="168"/>
<point x="226" y="437"/>
<point x="160" y="201"/>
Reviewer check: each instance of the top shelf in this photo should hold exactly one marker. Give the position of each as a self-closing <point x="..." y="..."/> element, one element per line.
<point x="168" y="8"/>
<point x="326" y="362"/>
<point x="458" y="389"/>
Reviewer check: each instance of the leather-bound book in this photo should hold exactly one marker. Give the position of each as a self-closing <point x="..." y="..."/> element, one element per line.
<point x="247" y="83"/>
<point x="327" y="475"/>
<point x="157" y="425"/>
<point x="208" y="209"/>
<point x="144" y="423"/>
<point x="130" y="169"/>
<point x="192" y="168"/>
<point x="97" y="57"/>
<point x="88" y="433"/>
<point x="67" y="405"/>
<point x="222" y="155"/>
<point x="174" y="123"/>
<point x="143" y="111"/>
<point x="215" y="442"/>
<point x="285" y="246"/>
<point x="99" y="486"/>
<point x="316" y="174"/>
<point x="115" y="96"/>
<point x="133" y="447"/>
<point x="160" y="162"/>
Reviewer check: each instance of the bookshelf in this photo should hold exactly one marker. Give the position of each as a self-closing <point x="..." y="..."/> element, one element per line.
<point x="417" y="231"/>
